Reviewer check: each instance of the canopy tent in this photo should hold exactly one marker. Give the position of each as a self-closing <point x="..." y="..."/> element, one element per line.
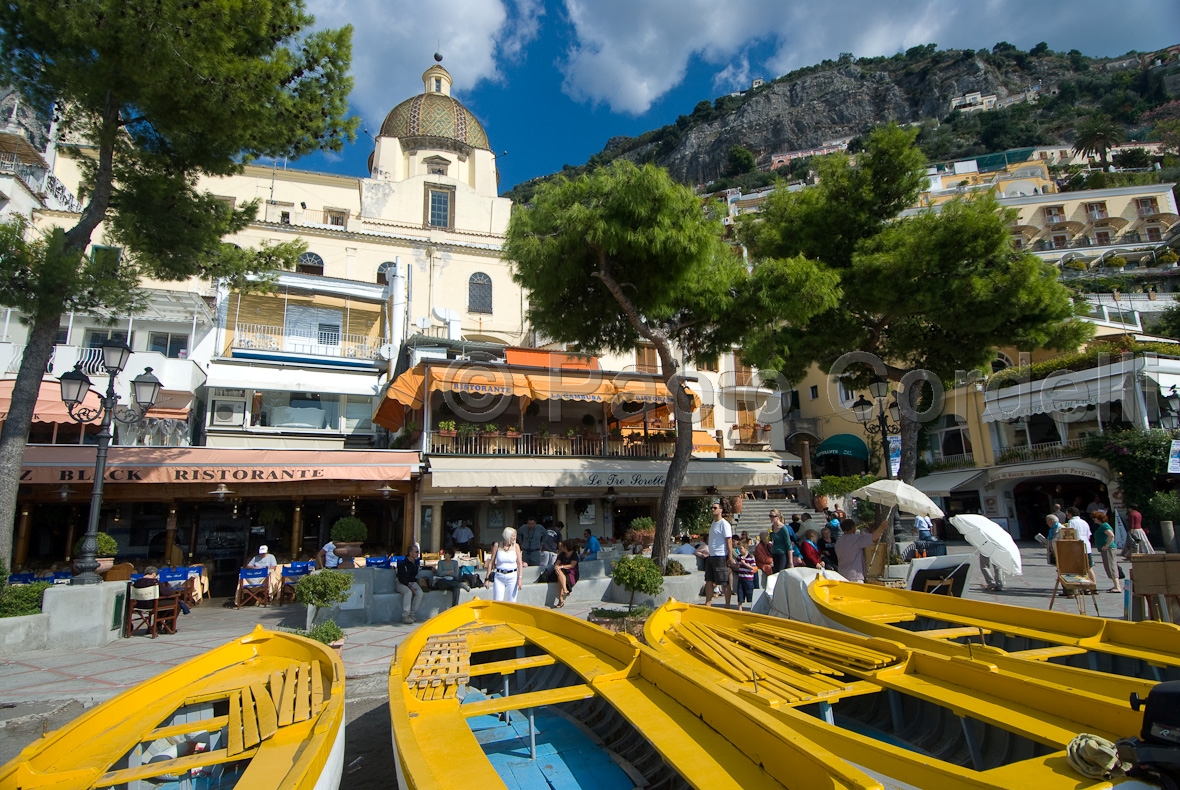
<point x="843" y="444"/>
<point x="50" y="407"/>
<point x="943" y="483"/>
<point x="575" y="385"/>
<point x="454" y="474"/>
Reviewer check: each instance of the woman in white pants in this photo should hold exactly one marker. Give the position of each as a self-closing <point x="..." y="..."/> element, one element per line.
<point x="505" y="568"/>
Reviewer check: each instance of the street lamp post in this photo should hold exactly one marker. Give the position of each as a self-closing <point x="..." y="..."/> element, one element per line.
<point x="75" y="384"/>
<point x="879" y="423"/>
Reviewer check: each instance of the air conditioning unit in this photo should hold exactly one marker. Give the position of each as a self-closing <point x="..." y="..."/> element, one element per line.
<point x="228" y="413"/>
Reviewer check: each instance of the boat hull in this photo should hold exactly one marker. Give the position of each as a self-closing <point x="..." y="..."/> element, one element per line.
<point x="661" y="728"/>
<point x="265" y="710"/>
<point x="1148" y="651"/>
<point x="904" y="717"/>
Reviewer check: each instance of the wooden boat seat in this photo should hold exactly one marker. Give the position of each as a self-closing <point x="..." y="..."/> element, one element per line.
<point x="441" y="668"/>
<point x="494" y="637"/>
<point x="511" y="665"/>
<point x="1045" y="653"/>
<point x="954" y="633"/>
<point x="531" y="699"/>
<point x="180" y="765"/>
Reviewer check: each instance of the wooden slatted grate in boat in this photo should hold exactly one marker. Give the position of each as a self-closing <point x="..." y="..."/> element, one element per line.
<point x="256" y="712"/>
<point x="443" y="665"/>
<point x="790" y="667"/>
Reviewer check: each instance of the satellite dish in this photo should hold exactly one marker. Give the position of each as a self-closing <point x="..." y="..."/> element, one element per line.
<point x="422" y="322"/>
<point x="386" y="351"/>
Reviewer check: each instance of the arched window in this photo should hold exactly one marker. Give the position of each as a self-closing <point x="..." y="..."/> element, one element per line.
<point x="479" y="293"/>
<point x="1001" y="362"/>
<point x="310" y="263"/>
<point x="384" y="271"/>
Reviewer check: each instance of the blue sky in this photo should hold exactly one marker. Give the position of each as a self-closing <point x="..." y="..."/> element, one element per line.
<point x="553" y="80"/>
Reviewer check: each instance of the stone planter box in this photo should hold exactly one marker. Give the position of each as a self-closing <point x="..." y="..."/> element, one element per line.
<point x="23" y="634"/>
<point x="621" y="625"/>
<point x="897" y="571"/>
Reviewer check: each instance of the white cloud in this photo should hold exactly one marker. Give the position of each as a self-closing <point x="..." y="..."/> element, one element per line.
<point x="628" y="54"/>
<point x="734" y="76"/>
<point x="393" y="42"/>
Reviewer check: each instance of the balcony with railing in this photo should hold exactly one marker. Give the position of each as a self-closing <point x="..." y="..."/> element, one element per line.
<point x="1045" y="451"/>
<point x="942" y="463"/>
<point x="328" y="342"/>
<point x="536" y="444"/>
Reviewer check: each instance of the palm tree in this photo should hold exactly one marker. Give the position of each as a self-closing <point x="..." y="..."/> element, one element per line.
<point x="1097" y="135"/>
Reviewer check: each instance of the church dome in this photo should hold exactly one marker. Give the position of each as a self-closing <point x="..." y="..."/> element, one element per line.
<point x="435" y="114"/>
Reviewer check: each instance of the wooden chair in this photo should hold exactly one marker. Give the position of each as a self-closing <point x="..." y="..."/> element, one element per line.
<point x="148" y="609"/>
<point x="1073" y="574"/>
<point x="253" y="585"/>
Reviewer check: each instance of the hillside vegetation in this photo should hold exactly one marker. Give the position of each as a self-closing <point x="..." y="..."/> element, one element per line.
<point x="849" y="96"/>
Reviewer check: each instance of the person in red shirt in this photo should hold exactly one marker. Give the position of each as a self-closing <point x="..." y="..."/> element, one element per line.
<point x="811" y="555"/>
<point x="763" y="558"/>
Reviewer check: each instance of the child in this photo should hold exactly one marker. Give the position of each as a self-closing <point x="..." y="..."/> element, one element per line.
<point x="747" y="568"/>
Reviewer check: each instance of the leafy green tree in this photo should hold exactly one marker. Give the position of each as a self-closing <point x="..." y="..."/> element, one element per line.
<point x="740" y="161"/>
<point x="638" y="574"/>
<point x="1096" y="136"/>
<point x="163" y="92"/>
<point x="1168" y="324"/>
<point x="939" y="290"/>
<point x="626" y="255"/>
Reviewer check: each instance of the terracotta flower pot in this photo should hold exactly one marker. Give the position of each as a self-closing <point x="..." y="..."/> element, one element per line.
<point x="348" y="550"/>
<point x="338" y="646"/>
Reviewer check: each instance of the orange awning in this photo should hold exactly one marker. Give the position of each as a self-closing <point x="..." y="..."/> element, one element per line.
<point x="161" y="413"/>
<point x="478" y="379"/>
<point x="647" y="391"/>
<point x="575" y="385"/>
<point x="405" y="391"/>
<point x="704" y="442"/>
<point x="49" y="406"/>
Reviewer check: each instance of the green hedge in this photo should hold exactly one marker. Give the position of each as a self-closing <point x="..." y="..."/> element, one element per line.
<point x="18" y="600"/>
<point x="841" y="486"/>
<point x="1083" y="360"/>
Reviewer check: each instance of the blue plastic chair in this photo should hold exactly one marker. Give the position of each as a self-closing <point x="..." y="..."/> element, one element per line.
<point x="21" y="578"/>
<point x="253" y="585"/>
<point x="377" y="562"/>
<point x="177" y="576"/>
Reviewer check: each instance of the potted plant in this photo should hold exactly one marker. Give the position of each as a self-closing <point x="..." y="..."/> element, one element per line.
<point x="491" y="429"/>
<point x="321" y="589"/>
<point x="349" y="534"/>
<point x="637" y="574"/>
<point x="1167" y="259"/>
<point x="641" y="533"/>
<point x="512" y="432"/>
<point x="616" y="432"/>
<point x="446" y="428"/>
<point x="543" y="432"/>
<point x="108" y="547"/>
<point x="329" y="633"/>
<point x="569" y="434"/>
<point x="588" y="425"/>
<point x="467" y="430"/>
<point x="1116" y="262"/>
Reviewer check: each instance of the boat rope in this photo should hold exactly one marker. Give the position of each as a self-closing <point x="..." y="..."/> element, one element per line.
<point x="1094" y="757"/>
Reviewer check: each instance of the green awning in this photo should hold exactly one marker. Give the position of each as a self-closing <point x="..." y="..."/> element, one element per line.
<point x="843" y="444"/>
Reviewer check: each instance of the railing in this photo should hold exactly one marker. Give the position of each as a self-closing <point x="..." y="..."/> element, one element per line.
<point x="319" y="344"/>
<point x="449" y="443"/>
<point x="1046" y="451"/>
<point x="91" y="360"/>
<point x="40" y="181"/>
<point x="17" y="358"/>
<point x="957" y="461"/>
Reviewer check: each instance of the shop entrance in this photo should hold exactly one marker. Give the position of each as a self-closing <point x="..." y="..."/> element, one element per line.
<point x="625" y="514"/>
<point x="1033" y="499"/>
<point x="456" y="513"/>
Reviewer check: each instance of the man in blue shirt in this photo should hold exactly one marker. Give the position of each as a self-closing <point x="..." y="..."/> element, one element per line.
<point x="590" y="552"/>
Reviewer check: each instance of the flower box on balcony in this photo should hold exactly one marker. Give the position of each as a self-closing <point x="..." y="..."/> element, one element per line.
<point x="512" y="433"/>
<point x="448" y="434"/>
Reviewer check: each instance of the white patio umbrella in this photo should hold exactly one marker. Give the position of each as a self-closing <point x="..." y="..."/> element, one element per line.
<point x="903" y="496"/>
<point x="992" y="541"/>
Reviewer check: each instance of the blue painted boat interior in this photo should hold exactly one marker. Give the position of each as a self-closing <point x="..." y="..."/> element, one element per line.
<point x="567" y="759"/>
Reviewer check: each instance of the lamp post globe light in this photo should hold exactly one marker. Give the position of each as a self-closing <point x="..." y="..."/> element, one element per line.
<point x="75" y="385"/>
<point x="879" y="418"/>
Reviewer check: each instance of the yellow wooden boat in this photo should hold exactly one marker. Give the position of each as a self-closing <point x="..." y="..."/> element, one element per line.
<point x="956" y="626"/>
<point x="264" y="711"/>
<point x="495" y="695"/>
<point x="909" y="719"/>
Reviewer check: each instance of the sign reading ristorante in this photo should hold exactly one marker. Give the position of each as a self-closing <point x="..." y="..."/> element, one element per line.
<point x="179" y="465"/>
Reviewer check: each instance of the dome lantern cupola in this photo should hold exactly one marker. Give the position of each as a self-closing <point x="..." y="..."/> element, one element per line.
<point x="436" y="79"/>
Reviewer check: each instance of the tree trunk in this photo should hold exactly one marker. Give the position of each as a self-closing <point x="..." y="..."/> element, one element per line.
<point x="670" y="497"/>
<point x="908" y="469"/>
<point x="15" y="434"/>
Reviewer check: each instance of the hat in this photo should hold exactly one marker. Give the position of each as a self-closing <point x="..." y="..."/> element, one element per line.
<point x="262" y="549"/>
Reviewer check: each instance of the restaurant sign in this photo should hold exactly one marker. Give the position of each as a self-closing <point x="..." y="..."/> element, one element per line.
<point x="626" y="479"/>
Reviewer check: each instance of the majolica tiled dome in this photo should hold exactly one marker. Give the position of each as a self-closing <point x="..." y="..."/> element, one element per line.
<point x="435" y="115"/>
